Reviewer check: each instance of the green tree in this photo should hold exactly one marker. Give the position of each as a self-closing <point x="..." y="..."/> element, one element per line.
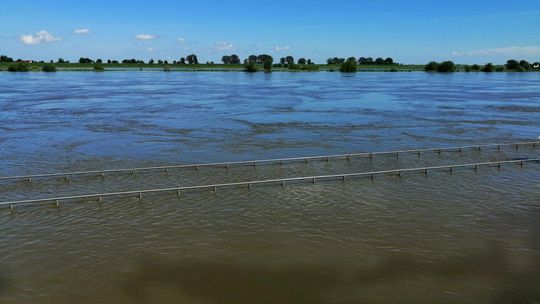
<point x="431" y="66"/>
<point x="252" y="59"/>
<point x="379" y="61"/>
<point x="4" y="58"/>
<point x="85" y="60"/>
<point x="351" y="59"/>
<point x="302" y="61"/>
<point x="488" y="68"/>
<point x="226" y="59"/>
<point x="235" y="59"/>
<point x="309" y="61"/>
<point x="267" y="61"/>
<point x="182" y="60"/>
<point x="99" y="61"/>
<point x="19" y="67"/>
<point x="48" y="68"/>
<point x="289" y="59"/>
<point x="475" y="67"/>
<point x="250" y="67"/>
<point x="348" y="66"/>
<point x="389" y="61"/>
<point x="151" y="61"/>
<point x="525" y="64"/>
<point x="192" y="59"/>
<point x="512" y="64"/>
<point x="446" y="66"/>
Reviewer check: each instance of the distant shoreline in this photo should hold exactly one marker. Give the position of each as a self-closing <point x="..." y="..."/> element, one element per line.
<point x="36" y="67"/>
<point x="83" y="67"/>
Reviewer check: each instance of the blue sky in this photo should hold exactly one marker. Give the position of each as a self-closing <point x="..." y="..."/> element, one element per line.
<point x="410" y="31"/>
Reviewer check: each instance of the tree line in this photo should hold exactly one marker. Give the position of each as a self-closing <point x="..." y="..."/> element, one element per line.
<point x="511" y="65"/>
<point x="361" y="60"/>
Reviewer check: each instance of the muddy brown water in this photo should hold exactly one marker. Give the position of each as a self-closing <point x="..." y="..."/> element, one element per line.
<point x="460" y="237"/>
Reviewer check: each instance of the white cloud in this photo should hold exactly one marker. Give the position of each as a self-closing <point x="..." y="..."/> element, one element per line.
<point x="281" y="48"/>
<point x="150" y="49"/>
<point x="505" y="51"/>
<point x="82" y="31"/>
<point x="145" y="37"/>
<point x="224" y="46"/>
<point x="180" y="39"/>
<point x="39" y="37"/>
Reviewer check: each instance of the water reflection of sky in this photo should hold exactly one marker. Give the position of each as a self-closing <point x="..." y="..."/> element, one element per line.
<point x="218" y="116"/>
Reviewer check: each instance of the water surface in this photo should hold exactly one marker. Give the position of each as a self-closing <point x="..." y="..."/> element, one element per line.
<point x="464" y="237"/>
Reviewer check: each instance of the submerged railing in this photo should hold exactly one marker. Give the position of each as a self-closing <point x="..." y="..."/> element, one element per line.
<point x="281" y="181"/>
<point x="280" y="161"/>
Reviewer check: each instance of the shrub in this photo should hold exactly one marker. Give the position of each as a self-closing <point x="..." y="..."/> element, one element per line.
<point x="267" y="65"/>
<point x="488" y="68"/>
<point x="250" y="67"/>
<point x="98" y="68"/>
<point x="432" y="66"/>
<point x="310" y="67"/>
<point x="348" y="66"/>
<point x="306" y="67"/>
<point x="48" y="68"/>
<point x="467" y="68"/>
<point x="475" y="67"/>
<point x="446" y="66"/>
<point x="19" y="67"/>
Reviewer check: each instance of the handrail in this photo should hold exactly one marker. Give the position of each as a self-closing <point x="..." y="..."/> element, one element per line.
<point x="249" y="184"/>
<point x="133" y="171"/>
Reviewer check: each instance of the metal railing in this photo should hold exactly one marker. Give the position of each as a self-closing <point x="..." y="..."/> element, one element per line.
<point x="254" y="163"/>
<point x="282" y="182"/>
